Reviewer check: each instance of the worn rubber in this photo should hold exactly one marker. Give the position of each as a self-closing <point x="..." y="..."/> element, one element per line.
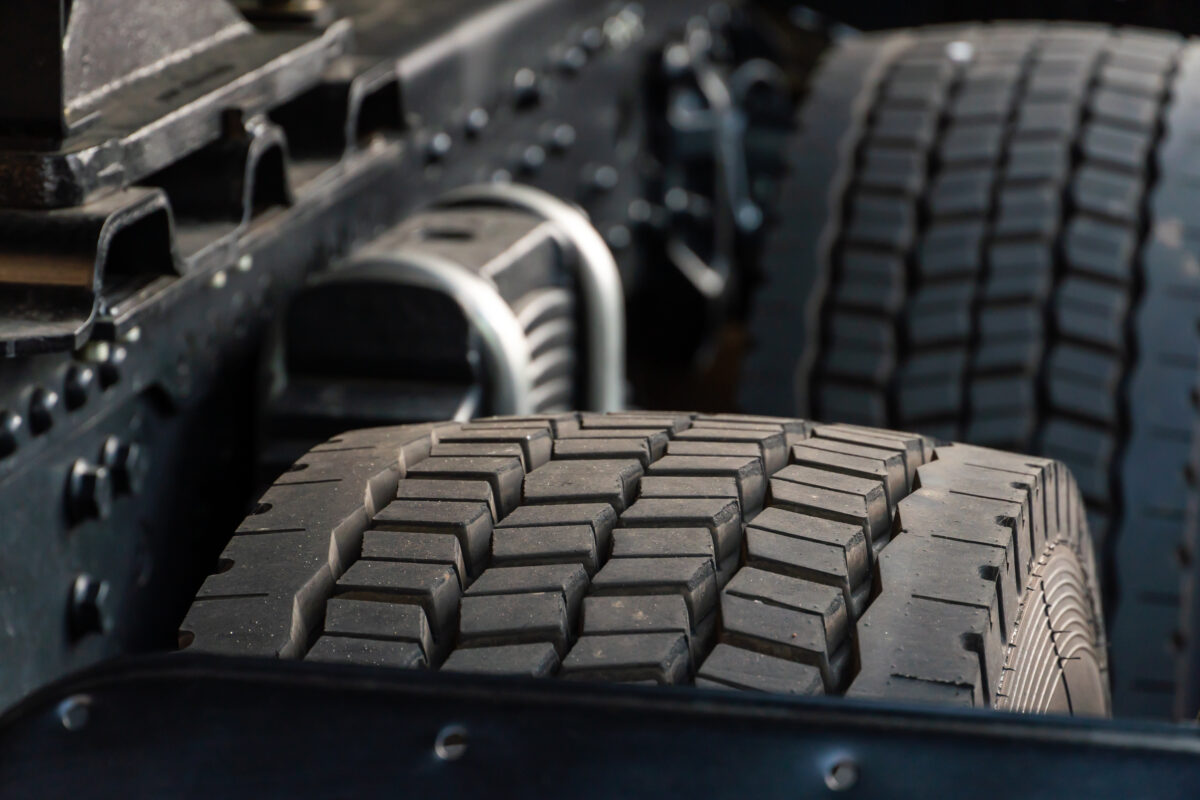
<point x="998" y="250"/>
<point x="727" y="551"/>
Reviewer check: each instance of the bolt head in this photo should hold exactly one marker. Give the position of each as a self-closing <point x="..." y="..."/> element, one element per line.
<point x="89" y="491"/>
<point x="42" y="404"/>
<point x="75" y="711"/>
<point x="126" y="465"/>
<point x="526" y="88"/>
<point x="89" y="606"/>
<point x="77" y="384"/>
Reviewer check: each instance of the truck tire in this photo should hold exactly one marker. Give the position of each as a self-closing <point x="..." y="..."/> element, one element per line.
<point x="728" y="552"/>
<point x="987" y="235"/>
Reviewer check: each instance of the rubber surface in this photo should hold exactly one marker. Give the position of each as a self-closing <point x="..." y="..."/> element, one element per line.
<point x="987" y="230"/>
<point x="725" y="551"/>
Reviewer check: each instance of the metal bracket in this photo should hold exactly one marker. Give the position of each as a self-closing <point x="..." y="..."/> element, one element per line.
<point x="506" y="352"/>
<point x="599" y="281"/>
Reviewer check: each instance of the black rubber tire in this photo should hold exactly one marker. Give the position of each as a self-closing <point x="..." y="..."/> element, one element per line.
<point x="725" y="551"/>
<point x="987" y="235"/>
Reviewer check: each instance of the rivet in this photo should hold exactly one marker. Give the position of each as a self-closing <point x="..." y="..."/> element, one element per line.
<point x="573" y="60"/>
<point x="438" y="146"/>
<point x="604" y="178"/>
<point x="89" y="491"/>
<point x="526" y="91"/>
<point x="218" y="279"/>
<point x="89" y="605"/>
<point x="532" y="159"/>
<point x="10" y="426"/>
<point x="77" y="384"/>
<point x="125" y="463"/>
<point x="132" y="335"/>
<point x="592" y="39"/>
<point x="110" y="365"/>
<point x="477" y="121"/>
<point x="618" y="237"/>
<point x="41" y="409"/>
<point x="559" y="138"/>
<point x="75" y="711"/>
<point x="245" y="263"/>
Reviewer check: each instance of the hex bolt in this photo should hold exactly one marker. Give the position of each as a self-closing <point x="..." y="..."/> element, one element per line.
<point x="10" y="426"/>
<point x="526" y="89"/>
<point x="604" y="178"/>
<point x="559" y="138"/>
<point x="438" y="147"/>
<point x="41" y="409"/>
<point x="573" y="60"/>
<point x="125" y="463"/>
<point x="77" y="385"/>
<point x="532" y="159"/>
<point x="592" y="39"/>
<point x="75" y="711"/>
<point x="108" y="360"/>
<point x="89" y="491"/>
<point x="477" y="120"/>
<point x="89" y="606"/>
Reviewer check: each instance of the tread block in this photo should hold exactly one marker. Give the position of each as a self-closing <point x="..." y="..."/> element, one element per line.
<point x="655" y="438"/>
<point x="619" y="449"/>
<point x="772" y="444"/>
<point x="368" y="652"/>
<point x="568" y="580"/>
<point x="600" y="517"/>
<point x="604" y="481"/>
<point x="780" y="631"/>
<point x="694" y="579"/>
<point x="786" y="591"/>
<point x="565" y="544"/>
<point x="870" y="281"/>
<point x="538" y="660"/>
<point x="737" y="668"/>
<point x="1028" y="212"/>
<point x="668" y="487"/>
<point x="1038" y="161"/>
<point x="504" y="474"/>
<point x="958" y="191"/>
<point x="1092" y="312"/>
<point x="418" y="548"/>
<point x="1101" y="249"/>
<point x="871" y="490"/>
<point x="971" y="144"/>
<point x="721" y="517"/>
<point x="1117" y="147"/>
<point x="893" y="169"/>
<point x="396" y="622"/>
<point x="950" y="250"/>
<point x="912" y="450"/>
<point x="478" y="449"/>
<point x="1107" y="193"/>
<point x="535" y="444"/>
<point x="464" y="491"/>
<point x="747" y="471"/>
<point x="887" y="471"/>
<point x="470" y="522"/>
<point x="664" y="542"/>
<point x="662" y="658"/>
<point x="672" y="423"/>
<point x="432" y="586"/>
<point x="881" y="221"/>
<point x="515" y="619"/>
<point x="640" y="614"/>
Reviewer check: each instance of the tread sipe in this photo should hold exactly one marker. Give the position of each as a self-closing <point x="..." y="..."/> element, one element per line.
<point x="987" y="235"/>
<point x="736" y="552"/>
